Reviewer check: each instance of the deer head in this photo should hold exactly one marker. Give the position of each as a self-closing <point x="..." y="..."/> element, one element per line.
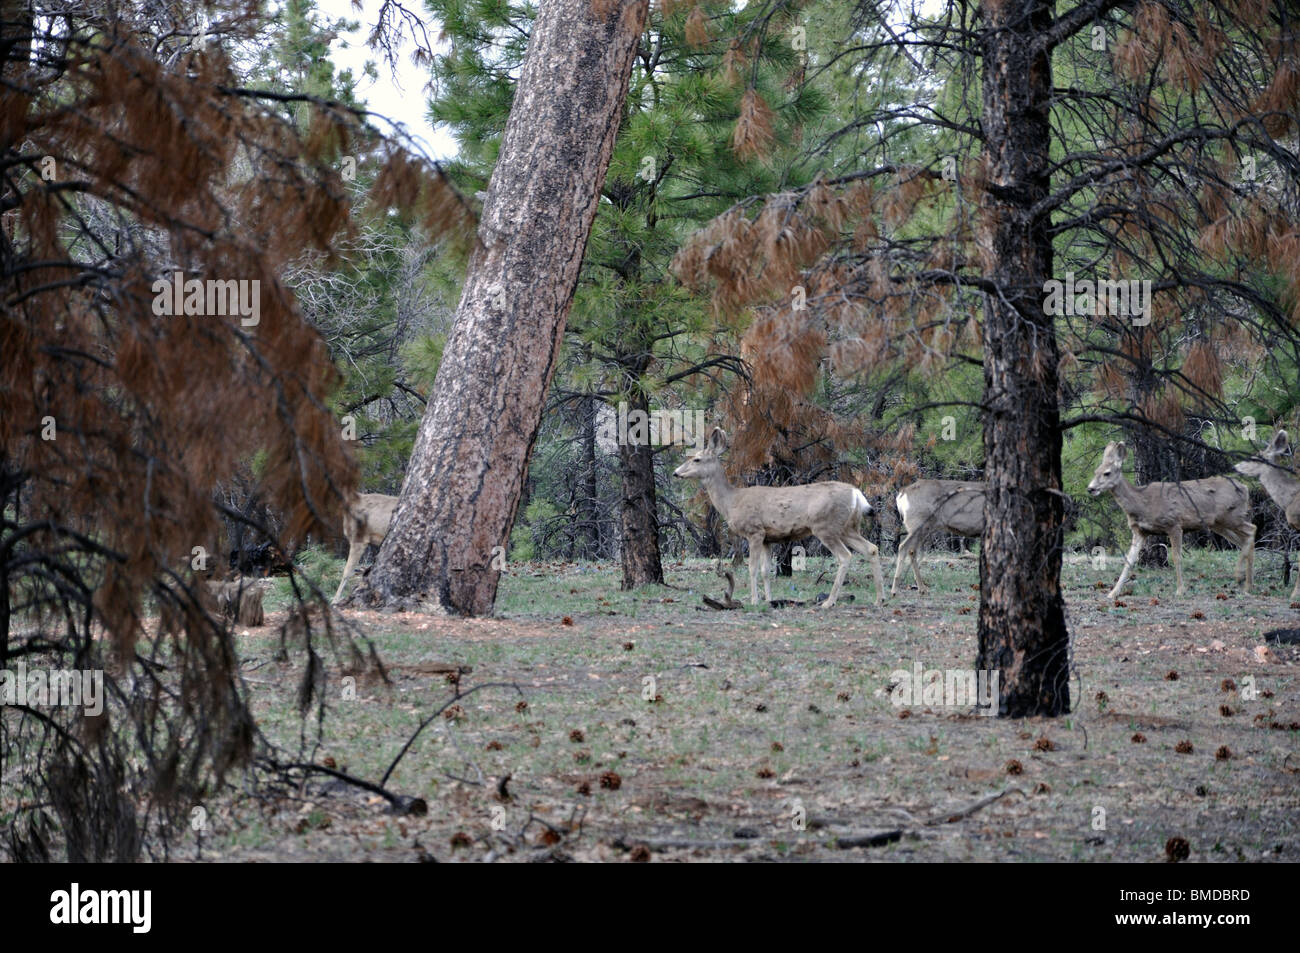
<point x="1110" y="472"/>
<point x="1278" y="446"/>
<point x="703" y="462"/>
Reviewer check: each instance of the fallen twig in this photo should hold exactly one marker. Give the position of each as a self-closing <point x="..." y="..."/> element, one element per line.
<point x="398" y="803"/>
<point x="949" y="817"/>
<point x="428" y="721"/>
<point x="727" y="601"/>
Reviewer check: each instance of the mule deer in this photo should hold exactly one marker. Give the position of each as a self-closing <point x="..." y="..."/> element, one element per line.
<point x="934" y="506"/>
<point x="365" y="522"/>
<point x="775" y="514"/>
<point x="1220" y="504"/>
<point x="1280" y="484"/>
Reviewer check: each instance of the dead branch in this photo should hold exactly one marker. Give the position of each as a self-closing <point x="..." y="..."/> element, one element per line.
<point x="950" y="817"/>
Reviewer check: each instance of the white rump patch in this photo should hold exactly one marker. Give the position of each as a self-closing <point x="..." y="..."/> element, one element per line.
<point x="860" y="503"/>
<point x="902" y="504"/>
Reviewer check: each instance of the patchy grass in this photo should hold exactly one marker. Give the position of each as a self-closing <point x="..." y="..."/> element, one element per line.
<point x="709" y="735"/>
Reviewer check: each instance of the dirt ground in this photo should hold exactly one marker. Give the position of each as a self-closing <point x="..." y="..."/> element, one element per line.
<point x="639" y="726"/>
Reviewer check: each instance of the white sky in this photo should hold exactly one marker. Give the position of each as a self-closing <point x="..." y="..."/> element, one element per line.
<point x="399" y="97"/>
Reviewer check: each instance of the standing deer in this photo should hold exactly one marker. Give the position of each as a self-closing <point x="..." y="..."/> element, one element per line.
<point x="365" y="522"/>
<point x="1220" y="504"/>
<point x="1280" y="484"/>
<point x="774" y="514"/>
<point x="933" y="506"/>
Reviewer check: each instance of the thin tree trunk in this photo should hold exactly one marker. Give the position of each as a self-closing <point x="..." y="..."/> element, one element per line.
<point x="1022" y="631"/>
<point x="1149" y="456"/>
<point x="711" y="543"/>
<point x="784" y="557"/>
<point x="463" y="483"/>
<point x="639" y="511"/>
<point x="588" y="505"/>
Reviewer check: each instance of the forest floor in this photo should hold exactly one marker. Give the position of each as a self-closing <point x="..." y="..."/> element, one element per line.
<point x="640" y="726"/>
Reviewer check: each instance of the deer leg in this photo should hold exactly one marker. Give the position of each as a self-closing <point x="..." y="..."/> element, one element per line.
<point x="1248" y="556"/>
<point x="756" y="552"/>
<point x="906" y="552"/>
<point x="1176" y="554"/>
<point x="354" y="554"/>
<point x="767" y="573"/>
<point x="900" y="560"/>
<point x="916" y="570"/>
<point x="1130" y="560"/>
<point x="866" y="547"/>
<point x="845" y="557"/>
<point x="908" y="548"/>
<point x="1244" y="539"/>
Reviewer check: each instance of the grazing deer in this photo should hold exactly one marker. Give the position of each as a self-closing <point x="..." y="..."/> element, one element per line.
<point x="365" y="522"/>
<point x="1220" y="504"/>
<point x="934" y="506"/>
<point x="774" y="514"/>
<point x="1280" y="484"/>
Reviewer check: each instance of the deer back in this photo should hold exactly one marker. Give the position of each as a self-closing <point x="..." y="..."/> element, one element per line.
<point x="369" y="518"/>
<point x="955" y="506"/>
<point x="793" y="512"/>
<point x="1191" y="504"/>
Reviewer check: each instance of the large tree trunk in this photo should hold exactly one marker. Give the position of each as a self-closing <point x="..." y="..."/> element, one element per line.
<point x="1022" y="631"/>
<point x="639" y="515"/>
<point x="15" y="61"/>
<point x="463" y="484"/>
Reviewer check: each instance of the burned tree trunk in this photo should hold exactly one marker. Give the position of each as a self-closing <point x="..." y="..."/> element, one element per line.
<point x="462" y="488"/>
<point x="638" y="514"/>
<point x="1022" y="632"/>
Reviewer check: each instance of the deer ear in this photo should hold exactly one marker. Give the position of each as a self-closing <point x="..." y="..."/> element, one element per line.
<point x="718" y="440"/>
<point x="1121" y="450"/>
<point x="1280" y="441"/>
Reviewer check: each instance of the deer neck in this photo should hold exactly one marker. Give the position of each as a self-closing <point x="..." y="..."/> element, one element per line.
<point x="721" y="493"/>
<point x="1280" y="485"/>
<point x="1127" y="495"/>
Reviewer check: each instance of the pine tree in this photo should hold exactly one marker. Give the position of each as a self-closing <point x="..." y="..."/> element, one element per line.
<point x="468" y="468"/>
<point x="637" y="342"/>
<point x="135" y="151"/>
<point x="999" y="170"/>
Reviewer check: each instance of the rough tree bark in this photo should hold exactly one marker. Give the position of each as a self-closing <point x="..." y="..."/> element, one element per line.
<point x="1022" y="631"/>
<point x="1150" y="450"/>
<point x="463" y="483"/>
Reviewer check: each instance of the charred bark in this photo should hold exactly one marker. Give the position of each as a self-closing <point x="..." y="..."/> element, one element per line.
<point x="1022" y="632"/>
